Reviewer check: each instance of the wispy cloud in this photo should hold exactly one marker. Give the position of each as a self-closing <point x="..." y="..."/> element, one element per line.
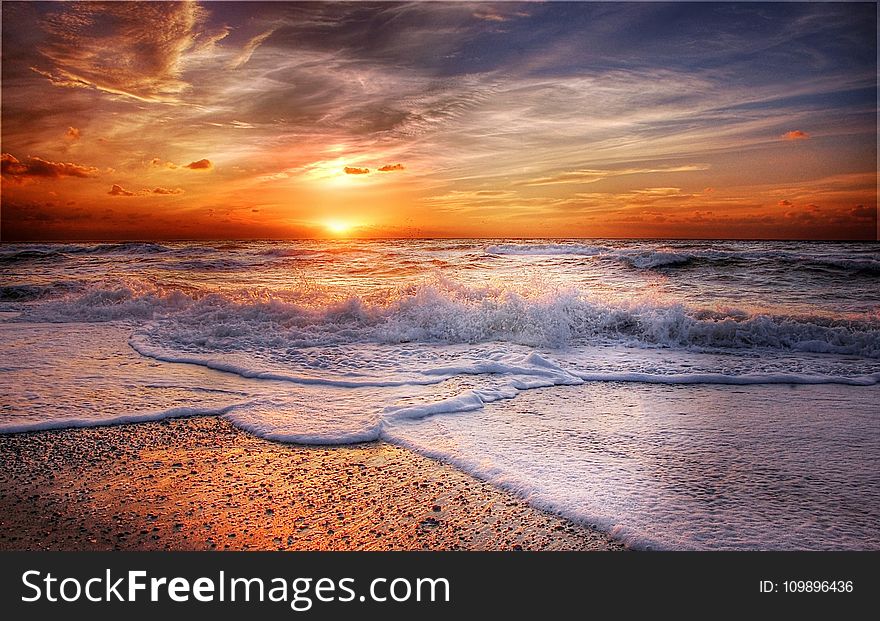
<point x="249" y="48"/>
<point x="134" y="49"/>
<point x="592" y="176"/>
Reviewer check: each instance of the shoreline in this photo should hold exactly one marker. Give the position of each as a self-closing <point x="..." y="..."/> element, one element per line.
<point x="199" y="483"/>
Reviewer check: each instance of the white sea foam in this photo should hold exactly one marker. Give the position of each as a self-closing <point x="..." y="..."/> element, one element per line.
<point x="729" y="380"/>
<point x="446" y="312"/>
<point x="686" y="467"/>
<point x="104" y="421"/>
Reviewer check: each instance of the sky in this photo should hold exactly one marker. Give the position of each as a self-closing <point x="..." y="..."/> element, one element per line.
<point x="186" y="120"/>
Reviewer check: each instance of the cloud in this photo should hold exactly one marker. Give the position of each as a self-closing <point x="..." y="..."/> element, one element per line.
<point x="209" y="39"/>
<point x="118" y="190"/>
<point x="784" y="203"/>
<point x="658" y="191"/>
<point x="200" y="165"/>
<point x="463" y="201"/>
<point x="351" y="170"/>
<point x="489" y="15"/>
<point x="72" y="133"/>
<point x="391" y="167"/>
<point x="863" y="212"/>
<point x="796" y="134"/>
<point x="159" y="163"/>
<point x="62" y="81"/>
<point x="801" y="216"/>
<point x="36" y="167"/>
<point x="134" y="49"/>
<point x="592" y="176"/>
<point x="203" y="164"/>
<point x="810" y="213"/>
<point x="232" y="124"/>
<point x="249" y="48"/>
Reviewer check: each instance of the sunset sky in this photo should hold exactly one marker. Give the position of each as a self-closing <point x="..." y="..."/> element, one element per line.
<point x="254" y="120"/>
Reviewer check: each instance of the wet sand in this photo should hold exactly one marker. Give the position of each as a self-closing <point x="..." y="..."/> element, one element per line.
<point x="201" y="484"/>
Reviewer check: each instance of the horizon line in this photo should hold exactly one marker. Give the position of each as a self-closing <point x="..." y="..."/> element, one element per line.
<point x="430" y="238"/>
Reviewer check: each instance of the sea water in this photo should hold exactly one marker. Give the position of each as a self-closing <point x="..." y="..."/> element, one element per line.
<point x="676" y="394"/>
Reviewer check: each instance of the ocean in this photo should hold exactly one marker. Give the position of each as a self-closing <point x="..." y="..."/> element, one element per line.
<point x="676" y="394"/>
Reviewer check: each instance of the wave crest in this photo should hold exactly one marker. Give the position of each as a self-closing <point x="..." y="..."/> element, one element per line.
<point x="651" y="259"/>
<point x="448" y="312"/>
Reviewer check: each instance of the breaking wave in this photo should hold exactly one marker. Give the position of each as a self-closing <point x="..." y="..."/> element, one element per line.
<point x="447" y="312"/>
<point x="650" y="259"/>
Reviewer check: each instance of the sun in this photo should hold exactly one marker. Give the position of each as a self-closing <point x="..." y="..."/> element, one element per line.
<point x="337" y="227"/>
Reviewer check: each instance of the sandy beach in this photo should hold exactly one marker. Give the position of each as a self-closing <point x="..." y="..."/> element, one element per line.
<point x="201" y="484"/>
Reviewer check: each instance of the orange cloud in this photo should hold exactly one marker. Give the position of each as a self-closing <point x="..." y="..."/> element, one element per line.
<point x="796" y="134"/>
<point x="784" y="203"/>
<point x="391" y="167"/>
<point x="158" y="163"/>
<point x="12" y="168"/>
<point x="118" y="190"/>
<point x="351" y="170"/>
<point x="72" y="133"/>
<point x="203" y="164"/>
<point x="200" y="165"/>
<point x="862" y="212"/>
